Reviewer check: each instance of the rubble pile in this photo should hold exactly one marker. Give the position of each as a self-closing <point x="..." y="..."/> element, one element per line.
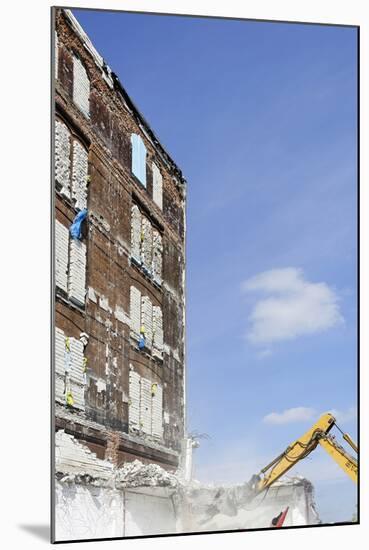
<point x="236" y="507"/>
<point x="137" y="474"/>
<point x="208" y="501"/>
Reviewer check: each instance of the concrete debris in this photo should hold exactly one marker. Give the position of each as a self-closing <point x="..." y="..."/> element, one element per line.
<point x="75" y="462"/>
<point x="234" y="507"/>
<point x="137" y="474"/>
<point x="208" y="501"/>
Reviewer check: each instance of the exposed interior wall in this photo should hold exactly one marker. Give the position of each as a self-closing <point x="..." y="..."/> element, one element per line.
<point x="62" y="157"/>
<point x="81" y="86"/>
<point x="61" y="256"/>
<point x="157" y="185"/>
<point x="146" y="245"/>
<point x="79" y="175"/>
<point x="146" y="322"/>
<point x="77" y="272"/>
<point x="71" y="166"/>
<point x="70" y="265"/>
<point x="145" y="405"/>
<point x="56" y="56"/>
<point x="157" y="260"/>
<point x="70" y="378"/>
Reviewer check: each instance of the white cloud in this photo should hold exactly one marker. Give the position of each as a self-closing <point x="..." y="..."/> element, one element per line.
<point x="345" y="416"/>
<point x="296" y="414"/>
<point x="293" y="306"/>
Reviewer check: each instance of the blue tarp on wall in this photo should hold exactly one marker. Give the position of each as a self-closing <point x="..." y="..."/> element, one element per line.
<point x="76" y="227"/>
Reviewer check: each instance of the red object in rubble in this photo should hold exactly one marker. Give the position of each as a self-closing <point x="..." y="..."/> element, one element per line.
<point x="279" y="520"/>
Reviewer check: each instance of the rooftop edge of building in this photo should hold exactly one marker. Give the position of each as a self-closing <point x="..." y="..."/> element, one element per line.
<point x="114" y="83"/>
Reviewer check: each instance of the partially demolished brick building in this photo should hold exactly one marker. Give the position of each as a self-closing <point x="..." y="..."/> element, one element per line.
<point x="119" y="266"/>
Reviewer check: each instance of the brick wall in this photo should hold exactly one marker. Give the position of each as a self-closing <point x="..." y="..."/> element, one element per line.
<point x="94" y="122"/>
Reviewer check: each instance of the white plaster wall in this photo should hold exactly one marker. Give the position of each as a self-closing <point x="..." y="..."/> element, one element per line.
<point x="79" y="175"/>
<point x="157" y="412"/>
<point x="76" y="374"/>
<point x="136" y="233"/>
<point x="145" y="406"/>
<point x="146" y="319"/>
<point x="59" y="366"/>
<point x="157" y="331"/>
<point x="62" y="157"/>
<point x="157" y="192"/>
<point x="83" y="512"/>
<point x="147" y="514"/>
<point x="144" y="315"/>
<point x="135" y="310"/>
<point x="61" y="255"/>
<point x="56" y="54"/>
<point x="134" y="399"/>
<point x="73" y="458"/>
<point x="157" y="259"/>
<point x="77" y="272"/>
<point x="69" y="370"/>
<point x="146" y="245"/>
<point x="81" y="87"/>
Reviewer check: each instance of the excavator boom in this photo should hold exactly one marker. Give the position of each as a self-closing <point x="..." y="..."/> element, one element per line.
<point x="302" y="447"/>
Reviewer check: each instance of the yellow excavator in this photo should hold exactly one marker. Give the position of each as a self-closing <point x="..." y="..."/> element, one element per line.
<point x="319" y="434"/>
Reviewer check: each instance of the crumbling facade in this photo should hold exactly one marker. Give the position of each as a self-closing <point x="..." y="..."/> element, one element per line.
<point x="119" y="266"/>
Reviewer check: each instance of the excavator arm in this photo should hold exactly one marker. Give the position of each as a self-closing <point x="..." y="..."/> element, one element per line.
<point x="338" y="453"/>
<point x="301" y="448"/>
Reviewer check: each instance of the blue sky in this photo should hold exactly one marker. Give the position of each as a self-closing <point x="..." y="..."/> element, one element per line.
<point x="261" y="117"/>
